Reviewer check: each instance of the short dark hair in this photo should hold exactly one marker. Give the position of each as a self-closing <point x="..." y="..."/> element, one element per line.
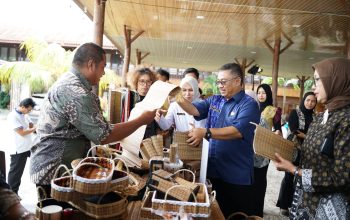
<point x="86" y="52"/>
<point x="28" y="102"/>
<point x="164" y="73"/>
<point x="235" y="69"/>
<point x="192" y="70"/>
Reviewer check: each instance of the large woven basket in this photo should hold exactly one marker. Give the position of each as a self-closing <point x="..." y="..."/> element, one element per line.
<point x="107" y="209"/>
<point x="62" y="187"/>
<point x="93" y="175"/>
<point x="266" y="143"/>
<point x="195" y="209"/>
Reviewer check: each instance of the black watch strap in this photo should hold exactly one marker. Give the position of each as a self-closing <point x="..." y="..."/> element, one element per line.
<point x="208" y="134"/>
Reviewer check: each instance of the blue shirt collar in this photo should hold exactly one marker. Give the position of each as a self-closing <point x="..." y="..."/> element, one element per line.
<point x="18" y="111"/>
<point x="238" y="97"/>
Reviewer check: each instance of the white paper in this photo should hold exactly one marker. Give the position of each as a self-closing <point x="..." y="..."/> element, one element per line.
<point x="204" y="161"/>
<point x="155" y="98"/>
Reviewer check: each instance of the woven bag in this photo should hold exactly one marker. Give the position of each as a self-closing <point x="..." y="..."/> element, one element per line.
<point x="62" y="187"/>
<point x="120" y="178"/>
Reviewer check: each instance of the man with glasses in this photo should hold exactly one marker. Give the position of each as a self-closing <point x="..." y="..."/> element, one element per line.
<point x="21" y="129"/>
<point x="230" y="134"/>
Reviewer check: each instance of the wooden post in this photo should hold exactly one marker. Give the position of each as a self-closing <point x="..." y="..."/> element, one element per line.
<point x="99" y="14"/>
<point x="244" y="66"/>
<point x="99" y="20"/>
<point x="140" y="57"/>
<point x="302" y="87"/>
<point x="276" y="50"/>
<point x="128" y="42"/>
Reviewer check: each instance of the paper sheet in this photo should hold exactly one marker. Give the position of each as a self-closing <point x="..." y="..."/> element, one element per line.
<point x="204" y="161"/>
<point x="155" y="98"/>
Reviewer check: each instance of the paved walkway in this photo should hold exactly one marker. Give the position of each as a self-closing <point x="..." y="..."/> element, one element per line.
<point x="27" y="189"/>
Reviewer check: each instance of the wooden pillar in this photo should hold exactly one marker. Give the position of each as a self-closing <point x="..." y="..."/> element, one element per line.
<point x="276" y="50"/>
<point x="128" y="42"/>
<point x="99" y="15"/>
<point x="140" y="57"/>
<point x="244" y="66"/>
<point x="302" y="80"/>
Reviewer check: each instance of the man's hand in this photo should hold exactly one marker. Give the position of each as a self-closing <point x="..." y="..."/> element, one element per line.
<point x="159" y="114"/>
<point x="196" y="135"/>
<point x="148" y="116"/>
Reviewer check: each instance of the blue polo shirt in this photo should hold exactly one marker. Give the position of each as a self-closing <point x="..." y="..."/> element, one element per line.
<point x="231" y="160"/>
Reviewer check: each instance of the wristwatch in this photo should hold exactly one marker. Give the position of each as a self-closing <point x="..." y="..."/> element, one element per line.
<point x="208" y="134"/>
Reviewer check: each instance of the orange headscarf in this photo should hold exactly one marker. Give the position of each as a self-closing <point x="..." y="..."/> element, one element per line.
<point x="335" y="76"/>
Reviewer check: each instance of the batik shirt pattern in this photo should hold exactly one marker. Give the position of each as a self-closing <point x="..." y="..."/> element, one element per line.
<point x="70" y="118"/>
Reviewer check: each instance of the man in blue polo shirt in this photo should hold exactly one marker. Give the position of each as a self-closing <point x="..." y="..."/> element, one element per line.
<point x="228" y="129"/>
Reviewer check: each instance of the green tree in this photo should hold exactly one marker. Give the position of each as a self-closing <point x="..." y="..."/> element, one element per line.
<point x="210" y="87"/>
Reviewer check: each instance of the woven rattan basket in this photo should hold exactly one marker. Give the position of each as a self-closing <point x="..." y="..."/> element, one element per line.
<point x="149" y="148"/>
<point x="93" y="175"/>
<point x="266" y="143"/>
<point x="195" y="209"/>
<point x="100" y="210"/>
<point x="62" y="187"/>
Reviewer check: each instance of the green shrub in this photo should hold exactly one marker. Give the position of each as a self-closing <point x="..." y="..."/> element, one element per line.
<point x="4" y="99"/>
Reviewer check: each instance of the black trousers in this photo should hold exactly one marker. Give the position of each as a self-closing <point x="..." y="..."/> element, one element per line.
<point x="285" y="196"/>
<point x="233" y="198"/>
<point x="17" y="165"/>
<point x="259" y="189"/>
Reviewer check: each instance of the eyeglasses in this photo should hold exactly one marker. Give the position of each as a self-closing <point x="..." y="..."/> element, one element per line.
<point x="145" y="82"/>
<point x="224" y="81"/>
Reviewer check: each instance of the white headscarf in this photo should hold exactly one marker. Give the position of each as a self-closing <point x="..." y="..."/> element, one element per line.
<point x="194" y="84"/>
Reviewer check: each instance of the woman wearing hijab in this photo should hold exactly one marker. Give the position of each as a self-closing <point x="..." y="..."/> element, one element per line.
<point x="323" y="180"/>
<point x="176" y="116"/>
<point x="299" y="121"/>
<point x="270" y="119"/>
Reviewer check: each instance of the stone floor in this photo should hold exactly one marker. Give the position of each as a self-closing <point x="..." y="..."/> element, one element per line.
<point x="29" y="197"/>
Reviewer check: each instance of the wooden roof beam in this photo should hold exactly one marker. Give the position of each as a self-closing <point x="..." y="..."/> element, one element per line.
<point x="140" y="57"/>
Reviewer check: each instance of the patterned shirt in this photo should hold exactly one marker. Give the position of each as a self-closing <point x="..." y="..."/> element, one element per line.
<point x="70" y="118"/>
<point x="231" y="160"/>
<point x="324" y="188"/>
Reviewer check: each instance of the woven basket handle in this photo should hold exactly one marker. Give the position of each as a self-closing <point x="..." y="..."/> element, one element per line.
<point x="92" y="164"/>
<point x="179" y="186"/>
<point x="101" y="147"/>
<point x="39" y="188"/>
<point x="117" y="164"/>
<point x="58" y="168"/>
<point x="187" y="170"/>
<point x="212" y="196"/>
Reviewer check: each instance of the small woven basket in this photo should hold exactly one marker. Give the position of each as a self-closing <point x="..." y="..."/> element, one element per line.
<point x="107" y="210"/>
<point x="149" y="148"/>
<point x="62" y="187"/>
<point x="266" y="143"/>
<point x="93" y="175"/>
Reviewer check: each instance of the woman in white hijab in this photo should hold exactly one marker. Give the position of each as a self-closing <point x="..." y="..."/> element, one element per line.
<point x="176" y="116"/>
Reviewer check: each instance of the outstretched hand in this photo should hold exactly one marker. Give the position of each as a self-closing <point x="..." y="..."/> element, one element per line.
<point x="159" y="114"/>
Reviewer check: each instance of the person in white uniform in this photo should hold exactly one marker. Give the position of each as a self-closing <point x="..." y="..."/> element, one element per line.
<point x="176" y="116"/>
<point x="21" y="130"/>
